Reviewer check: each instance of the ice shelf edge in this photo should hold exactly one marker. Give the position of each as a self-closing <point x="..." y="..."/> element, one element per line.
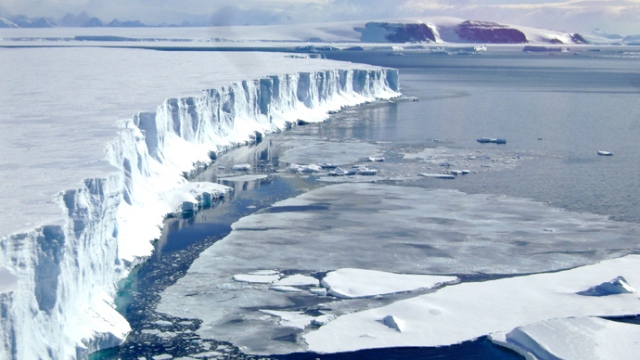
<point x="61" y="303"/>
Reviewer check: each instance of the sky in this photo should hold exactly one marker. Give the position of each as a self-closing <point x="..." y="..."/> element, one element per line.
<point x="612" y="16"/>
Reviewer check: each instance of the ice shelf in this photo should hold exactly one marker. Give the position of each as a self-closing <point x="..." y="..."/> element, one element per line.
<point x="94" y="148"/>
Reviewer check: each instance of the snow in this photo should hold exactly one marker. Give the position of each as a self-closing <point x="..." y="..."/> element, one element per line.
<point x="96" y="160"/>
<point x="573" y="338"/>
<point x="466" y="311"/>
<point x="354" y="283"/>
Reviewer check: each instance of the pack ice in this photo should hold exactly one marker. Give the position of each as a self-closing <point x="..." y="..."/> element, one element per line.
<point x="86" y="183"/>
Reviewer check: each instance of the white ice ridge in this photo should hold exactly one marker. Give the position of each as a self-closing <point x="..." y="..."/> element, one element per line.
<point x="62" y="251"/>
<point x="584" y="338"/>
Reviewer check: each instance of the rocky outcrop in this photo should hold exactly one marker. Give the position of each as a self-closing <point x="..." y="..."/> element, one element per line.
<point x="489" y="32"/>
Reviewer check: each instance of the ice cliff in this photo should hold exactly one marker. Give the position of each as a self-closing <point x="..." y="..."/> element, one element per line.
<point x="58" y="281"/>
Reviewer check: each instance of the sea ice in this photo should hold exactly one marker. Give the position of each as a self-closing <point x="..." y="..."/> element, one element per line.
<point x="393" y="229"/>
<point x="467" y="311"/>
<point x="297" y="280"/>
<point x="353" y="283"/>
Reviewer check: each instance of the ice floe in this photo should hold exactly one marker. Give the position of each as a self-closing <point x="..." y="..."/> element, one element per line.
<point x="354" y="283"/>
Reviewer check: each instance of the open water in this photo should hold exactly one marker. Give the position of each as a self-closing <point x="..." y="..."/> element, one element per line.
<point x="555" y="111"/>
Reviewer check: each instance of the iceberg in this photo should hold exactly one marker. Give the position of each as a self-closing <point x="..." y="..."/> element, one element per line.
<point x="84" y="198"/>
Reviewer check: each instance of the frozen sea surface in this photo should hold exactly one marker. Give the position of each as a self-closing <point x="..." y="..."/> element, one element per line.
<point x="401" y="229"/>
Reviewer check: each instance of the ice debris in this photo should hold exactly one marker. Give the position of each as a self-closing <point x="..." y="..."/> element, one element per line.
<point x="614" y="287"/>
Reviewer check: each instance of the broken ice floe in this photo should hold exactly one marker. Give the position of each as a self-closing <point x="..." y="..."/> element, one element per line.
<point x="192" y="196"/>
<point x="354" y="283"/>
<point x="258" y="277"/>
<point x="298" y="280"/>
<point x="304" y="169"/>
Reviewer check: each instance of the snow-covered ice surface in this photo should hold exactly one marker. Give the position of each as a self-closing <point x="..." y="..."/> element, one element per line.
<point x="573" y="338"/>
<point x="95" y="146"/>
<point x="353" y="283"/>
<point x="469" y="310"/>
<point x="409" y="231"/>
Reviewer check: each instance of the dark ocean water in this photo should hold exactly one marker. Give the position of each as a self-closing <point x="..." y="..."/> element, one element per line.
<point x="559" y="110"/>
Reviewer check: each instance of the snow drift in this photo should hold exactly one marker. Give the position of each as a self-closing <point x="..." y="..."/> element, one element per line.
<point x="58" y="281"/>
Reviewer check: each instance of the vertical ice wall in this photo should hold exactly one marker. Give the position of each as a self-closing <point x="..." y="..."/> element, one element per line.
<point x="62" y="277"/>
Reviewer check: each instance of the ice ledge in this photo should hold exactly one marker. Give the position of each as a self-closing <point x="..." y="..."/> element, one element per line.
<point x="58" y="281"/>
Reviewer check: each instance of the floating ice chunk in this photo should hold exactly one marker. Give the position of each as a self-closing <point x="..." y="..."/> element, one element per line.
<point x="367" y="171"/>
<point x="243" y="178"/>
<point x="285" y="289"/>
<point x="354" y="283"/>
<point x="163" y="323"/>
<point x="376" y="158"/>
<point x="304" y="169"/>
<point x="582" y="338"/>
<point x="342" y="172"/>
<point x="297" y="280"/>
<point x="241" y="167"/>
<point x="438" y="176"/>
<point x="605" y="153"/>
<point x="459" y="172"/>
<point x="162" y="357"/>
<point x="394" y="322"/>
<point x="616" y="286"/>
<point x="318" y="291"/>
<point x="209" y="354"/>
<point x="485" y="140"/>
<point x="328" y="166"/>
<point x="258" y="277"/>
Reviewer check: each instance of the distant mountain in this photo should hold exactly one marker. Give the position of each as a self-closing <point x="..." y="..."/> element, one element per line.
<point x="450" y="30"/>
<point x="81" y="20"/>
<point x="118" y="23"/>
<point x="69" y="20"/>
<point x="6" y="23"/>
<point x="38" y="22"/>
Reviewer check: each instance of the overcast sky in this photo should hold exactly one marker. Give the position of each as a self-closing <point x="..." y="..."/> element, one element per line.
<point x="614" y="16"/>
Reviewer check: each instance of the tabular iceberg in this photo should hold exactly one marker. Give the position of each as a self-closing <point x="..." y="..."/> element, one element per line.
<point x="57" y="282"/>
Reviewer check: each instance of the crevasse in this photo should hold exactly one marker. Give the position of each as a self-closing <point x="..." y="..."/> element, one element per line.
<point x="63" y="276"/>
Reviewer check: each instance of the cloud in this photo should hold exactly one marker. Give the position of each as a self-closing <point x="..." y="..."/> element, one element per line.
<point x="570" y="15"/>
